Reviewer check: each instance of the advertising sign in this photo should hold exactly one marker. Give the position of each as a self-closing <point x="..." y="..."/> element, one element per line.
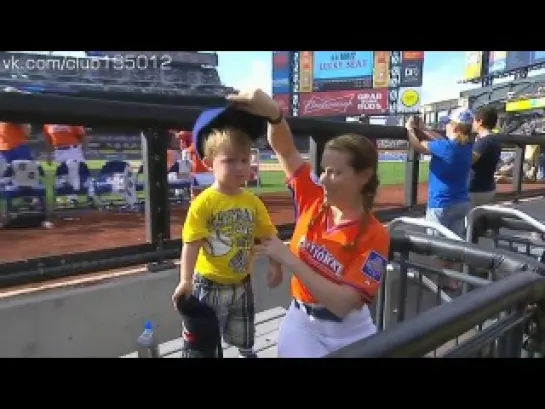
<point x="381" y="70"/>
<point x="518" y="59"/>
<point x="344" y="103"/>
<point x="411" y="73"/>
<point x="281" y="72"/>
<point x="305" y="71"/>
<point x="342" y="64"/>
<point x="525" y="105"/>
<point x="283" y="101"/>
<point x="412" y="55"/>
<point x="513" y="60"/>
<point x="497" y="61"/>
<point x="539" y="56"/>
<point x="473" y="65"/>
<point x="409" y="100"/>
<point x="341" y="70"/>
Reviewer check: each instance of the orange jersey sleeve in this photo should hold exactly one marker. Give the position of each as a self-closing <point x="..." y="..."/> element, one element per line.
<point x="63" y="135"/>
<point x="11" y="136"/>
<point x="79" y="131"/>
<point x="305" y="188"/>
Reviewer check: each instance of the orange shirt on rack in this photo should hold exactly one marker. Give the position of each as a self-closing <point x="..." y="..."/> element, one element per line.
<point x="323" y="246"/>
<point x="11" y="136"/>
<point x="63" y="135"/>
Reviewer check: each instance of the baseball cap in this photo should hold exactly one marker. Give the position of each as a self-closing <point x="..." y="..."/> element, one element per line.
<point x="459" y="115"/>
<point x="218" y="118"/>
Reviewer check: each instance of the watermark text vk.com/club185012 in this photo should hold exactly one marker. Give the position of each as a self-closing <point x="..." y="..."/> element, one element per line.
<point x="116" y="63"/>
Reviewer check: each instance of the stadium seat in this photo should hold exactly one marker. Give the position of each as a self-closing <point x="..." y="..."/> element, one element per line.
<point x="117" y="180"/>
<point x="73" y="178"/>
<point x="23" y="180"/>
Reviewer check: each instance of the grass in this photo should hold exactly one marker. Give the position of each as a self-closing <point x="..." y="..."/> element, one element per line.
<point x="390" y="173"/>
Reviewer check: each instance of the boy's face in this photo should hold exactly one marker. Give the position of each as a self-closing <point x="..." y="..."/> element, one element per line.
<point x="231" y="165"/>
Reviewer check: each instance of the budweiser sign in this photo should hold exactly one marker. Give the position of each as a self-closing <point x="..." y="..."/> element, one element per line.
<point x="344" y="103"/>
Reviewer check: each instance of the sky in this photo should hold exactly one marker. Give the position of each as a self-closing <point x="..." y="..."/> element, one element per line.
<point x="442" y="71"/>
<point x="253" y="69"/>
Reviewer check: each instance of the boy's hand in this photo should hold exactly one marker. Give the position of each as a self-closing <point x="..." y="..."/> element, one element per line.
<point x="275" y="275"/>
<point x="184" y="288"/>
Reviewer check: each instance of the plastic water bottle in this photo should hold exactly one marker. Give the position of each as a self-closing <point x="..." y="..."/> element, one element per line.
<point x="147" y="344"/>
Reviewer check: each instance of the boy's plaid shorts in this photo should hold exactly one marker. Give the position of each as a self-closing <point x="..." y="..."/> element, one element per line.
<point x="234" y="306"/>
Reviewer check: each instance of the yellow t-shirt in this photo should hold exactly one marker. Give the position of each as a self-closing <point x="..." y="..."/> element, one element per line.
<point x="228" y="224"/>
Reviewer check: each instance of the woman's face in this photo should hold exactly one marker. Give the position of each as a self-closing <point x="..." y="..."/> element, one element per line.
<point x="342" y="185"/>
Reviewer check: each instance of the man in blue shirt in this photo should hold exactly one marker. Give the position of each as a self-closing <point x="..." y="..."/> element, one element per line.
<point x="486" y="156"/>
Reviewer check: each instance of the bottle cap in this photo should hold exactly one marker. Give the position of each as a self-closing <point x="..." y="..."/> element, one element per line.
<point x="148" y="325"/>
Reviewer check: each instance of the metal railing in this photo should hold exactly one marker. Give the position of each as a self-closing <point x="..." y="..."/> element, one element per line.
<point x="405" y="246"/>
<point x="385" y="305"/>
<point x="519" y="299"/>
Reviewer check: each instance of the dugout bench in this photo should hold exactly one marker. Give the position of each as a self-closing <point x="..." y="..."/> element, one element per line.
<point x="266" y="337"/>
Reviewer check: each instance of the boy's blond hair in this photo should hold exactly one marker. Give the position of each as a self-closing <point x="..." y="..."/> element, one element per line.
<point x="220" y="138"/>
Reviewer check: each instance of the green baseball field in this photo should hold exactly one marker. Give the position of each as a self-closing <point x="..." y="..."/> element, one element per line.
<point x="272" y="178"/>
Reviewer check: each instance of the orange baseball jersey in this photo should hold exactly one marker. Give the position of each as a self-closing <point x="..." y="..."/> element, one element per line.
<point x="172" y="157"/>
<point x="186" y="142"/>
<point x="11" y="136"/>
<point x="198" y="165"/>
<point x="323" y="245"/>
<point x="63" y="135"/>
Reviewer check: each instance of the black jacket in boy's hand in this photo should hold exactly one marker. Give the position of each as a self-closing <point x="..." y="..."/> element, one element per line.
<point x="202" y="336"/>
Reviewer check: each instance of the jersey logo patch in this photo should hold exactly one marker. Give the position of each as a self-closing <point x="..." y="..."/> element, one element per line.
<point x="375" y="266"/>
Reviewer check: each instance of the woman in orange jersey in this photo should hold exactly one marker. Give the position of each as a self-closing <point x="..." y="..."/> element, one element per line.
<point x="338" y="252"/>
<point x="64" y="142"/>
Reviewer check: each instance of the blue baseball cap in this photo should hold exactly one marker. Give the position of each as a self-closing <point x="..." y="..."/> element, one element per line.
<point x="229" y="116"/>
<point x="458" y="115"/>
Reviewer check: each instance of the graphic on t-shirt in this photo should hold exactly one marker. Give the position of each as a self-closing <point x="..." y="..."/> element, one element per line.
<point x="232" y="232"/>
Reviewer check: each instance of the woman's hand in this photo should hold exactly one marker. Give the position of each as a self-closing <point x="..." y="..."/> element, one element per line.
<point x="275" y="249"/>
<point x="256" y="102"/>
<point x="413" y="123"/>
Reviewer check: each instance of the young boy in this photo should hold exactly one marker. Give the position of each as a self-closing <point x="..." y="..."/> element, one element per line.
<point x="222" y="224"/>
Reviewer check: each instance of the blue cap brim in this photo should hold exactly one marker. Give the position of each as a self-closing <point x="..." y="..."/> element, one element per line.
<point x="444" y="120"/>
<point x="217" y="118"/>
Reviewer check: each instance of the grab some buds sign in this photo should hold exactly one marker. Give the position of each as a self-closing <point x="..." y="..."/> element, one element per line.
<point x="344" y="103"/>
